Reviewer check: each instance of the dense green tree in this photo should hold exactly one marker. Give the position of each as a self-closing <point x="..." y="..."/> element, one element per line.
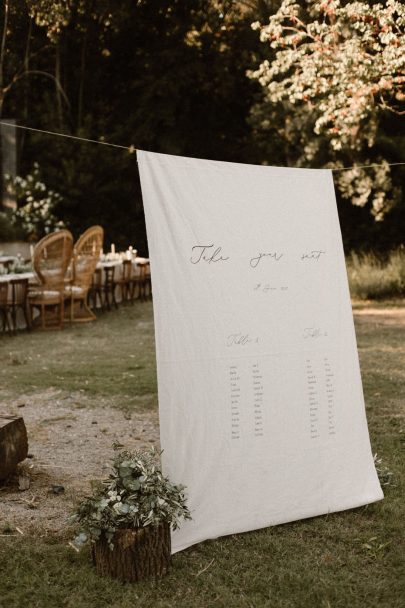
<point x="166" y="76"/>
<point x="333" y="91"/>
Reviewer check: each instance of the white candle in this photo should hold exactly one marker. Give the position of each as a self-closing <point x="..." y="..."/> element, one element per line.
<point x="32" y="251"/>
<point x="112" y="248"/>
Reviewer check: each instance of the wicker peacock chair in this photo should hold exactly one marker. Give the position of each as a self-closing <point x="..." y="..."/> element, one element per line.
<point x="50" y="261"/>
<point x="86" y="254"/>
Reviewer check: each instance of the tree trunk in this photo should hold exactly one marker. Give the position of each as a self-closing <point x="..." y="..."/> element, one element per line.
<point x="138" y="553"/>
<point x="26" y="83"/>
<point x="13" y="444"/>
<point x="58" y="83"/>
<point x="80" y="103"/>
<point x="3" y="55"/>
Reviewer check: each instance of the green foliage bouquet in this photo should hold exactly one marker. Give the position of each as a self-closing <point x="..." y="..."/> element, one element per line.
<point x="135" y="495"/>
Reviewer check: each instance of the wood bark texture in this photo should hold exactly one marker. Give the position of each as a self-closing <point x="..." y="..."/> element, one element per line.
<point x="13" y="444"/>
<point x="138" y="554"/>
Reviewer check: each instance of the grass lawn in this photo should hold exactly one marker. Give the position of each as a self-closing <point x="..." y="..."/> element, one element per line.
<point x="113" y="357"/>
<point x="353" y="559"/>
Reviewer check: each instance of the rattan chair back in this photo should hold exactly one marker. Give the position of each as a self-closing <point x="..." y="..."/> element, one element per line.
<point x="51" y="259"/>
<point x="86" y="255"/>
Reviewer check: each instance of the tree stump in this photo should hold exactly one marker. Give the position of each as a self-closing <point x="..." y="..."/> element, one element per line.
<point x="13" y="444"/>
<point x="138" y="553"/>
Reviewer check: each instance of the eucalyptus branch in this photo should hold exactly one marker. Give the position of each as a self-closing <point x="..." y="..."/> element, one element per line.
<point x="135" y="495"/>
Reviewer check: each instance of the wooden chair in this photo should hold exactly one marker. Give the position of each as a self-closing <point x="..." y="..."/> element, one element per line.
<point x="96" y="291"/>
<point x="126" y="281"/>
<point x="4" y="305"/>
<point x="19" y="300"/>
<point x="50" y="261"/>
<point x="144" y="281"/>
<point x="109" y="286"/>
<point x="86" y="255"/>
<point x="147" y="282"/>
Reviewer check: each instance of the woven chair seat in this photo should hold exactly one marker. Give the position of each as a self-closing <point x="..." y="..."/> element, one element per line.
<point x="75" y="290"/>
<point x="46" y="294"/>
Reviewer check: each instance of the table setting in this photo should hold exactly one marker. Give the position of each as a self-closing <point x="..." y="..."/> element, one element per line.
<point x="123" y="280"/>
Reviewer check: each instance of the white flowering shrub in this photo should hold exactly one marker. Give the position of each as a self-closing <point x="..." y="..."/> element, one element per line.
<point x="35" y="215"/>
<point x="336" y="69"/>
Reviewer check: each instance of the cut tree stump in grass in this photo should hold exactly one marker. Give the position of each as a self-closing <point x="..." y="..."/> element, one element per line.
<point x="13" y="444"/>
<point x="138" y="553"/>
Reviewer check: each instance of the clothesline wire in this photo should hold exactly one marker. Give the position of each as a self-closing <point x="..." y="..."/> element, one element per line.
<point x="93" y="141"/>
<point x="131" y="149"/>
<point x="367" y="166"/>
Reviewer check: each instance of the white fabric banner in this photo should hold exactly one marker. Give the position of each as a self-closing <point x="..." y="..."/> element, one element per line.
<point x="261" y="406"/>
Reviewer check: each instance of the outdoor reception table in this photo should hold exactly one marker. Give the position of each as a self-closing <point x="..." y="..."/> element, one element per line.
<point x="7" y="278"/>
<point x="137" y="263"/>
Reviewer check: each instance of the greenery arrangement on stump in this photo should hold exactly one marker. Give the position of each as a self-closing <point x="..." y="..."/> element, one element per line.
<point x="129" y="516"/>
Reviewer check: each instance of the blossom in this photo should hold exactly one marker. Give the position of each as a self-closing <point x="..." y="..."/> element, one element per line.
<point x="334" y="69"/>
<point x="35" y="214"/>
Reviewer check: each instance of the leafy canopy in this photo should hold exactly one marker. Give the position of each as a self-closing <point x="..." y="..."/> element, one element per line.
<point x="334" y="70"/>
<point x="349" y="62"/>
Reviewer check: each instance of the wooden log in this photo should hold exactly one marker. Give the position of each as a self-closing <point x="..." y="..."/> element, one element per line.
<point x="13" y="444"/>
<point x="138" y="554"/>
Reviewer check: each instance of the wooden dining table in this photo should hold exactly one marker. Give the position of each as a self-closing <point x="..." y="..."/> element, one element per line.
<point x="137" y="264"/>
<point x="8" y="278"/>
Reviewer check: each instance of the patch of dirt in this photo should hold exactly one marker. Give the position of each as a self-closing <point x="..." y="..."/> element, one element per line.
<point x="70" y="440"/>
<point x="381" y="316"/>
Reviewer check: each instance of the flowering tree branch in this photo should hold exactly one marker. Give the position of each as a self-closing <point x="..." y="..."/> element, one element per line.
<point x="337" y="67"/>
<point x="347" y="61"/>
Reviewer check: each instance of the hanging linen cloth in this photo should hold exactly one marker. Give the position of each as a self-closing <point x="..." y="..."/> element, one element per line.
<point x="260" y="398"/>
